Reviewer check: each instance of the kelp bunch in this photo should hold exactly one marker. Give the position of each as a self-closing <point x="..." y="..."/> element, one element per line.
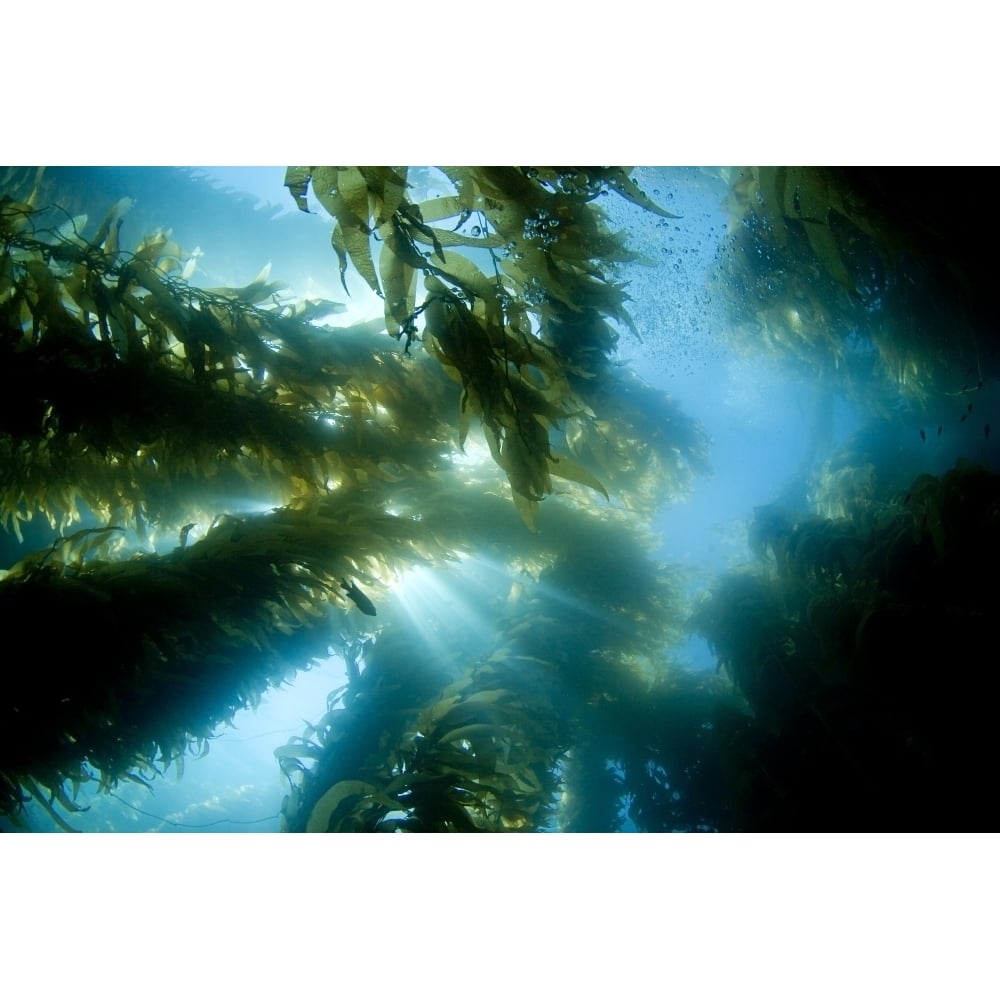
<point x="230" y="234"/>
<point x="870" y="474"/>
<point x="479" y="756"/>
<point x="510" y="318"/>
<point x="639" y="441"/>
<point x="844" y="489"/>
<point x="124" y="387"/>
<point x="863" y="276"/>
<point x="864" y="654"/>
<point x="476" y="738"/>
<point x="146" y="654"/>
<point x="138" y="400"/>
<point x="654" y="758"/>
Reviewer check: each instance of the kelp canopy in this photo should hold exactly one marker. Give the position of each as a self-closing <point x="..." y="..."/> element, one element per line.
<point x="203" y="489"/>
<point x="135" y="402"/>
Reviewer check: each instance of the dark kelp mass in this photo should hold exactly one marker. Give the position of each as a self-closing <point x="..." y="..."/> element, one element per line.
<point x="492" y="442"/>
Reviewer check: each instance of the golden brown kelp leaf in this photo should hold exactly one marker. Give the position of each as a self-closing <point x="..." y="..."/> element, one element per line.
<point x="787" y="272"/>
<point x="558" y="243"/>
<point x="360" y="199"/>
<point x="339" y="804"/>
<point x="515" y="412"/>
<point x="297" y="182"/>
<point x="399" y="280"/>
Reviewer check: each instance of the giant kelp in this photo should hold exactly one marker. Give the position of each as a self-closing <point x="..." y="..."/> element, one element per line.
<point x="865" y="278"/>
<point x="476" y="739"/>
<point x="863" y="649"/>
<point x="136" y="401"/>
<point x="142" y="405"/>
<point x="153" y="651"/>
<point x="224" y="229"/>
<point x="125" y="387"/>
<point x="503" y="332"/>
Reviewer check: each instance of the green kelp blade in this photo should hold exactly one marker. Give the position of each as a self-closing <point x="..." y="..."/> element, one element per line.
<point x="340" y="249"/>
<point x="356" y="242"/>
<point x="324" y="810"/>
<point x="311" y="309"/>
<point x="354" y="205"/>
<point x="620" y="181"/>
<point x="324" y="189"/>
<point x="259" y="289"/>
<point x="447" y="208"/>
<point x="566" y="468"/>
<point x="461" y="271"/>
<point x="297" y="182"/>
<point x="36" y="793"/>
<point x="446" y="238"/>
<point x="475" y="729"/>
<point x="296" y="751"/>
<point x="389" y="189"/>
<point x="109" y="227"/>
<point x="824" y="245"/>
<point x="399" y="284"/>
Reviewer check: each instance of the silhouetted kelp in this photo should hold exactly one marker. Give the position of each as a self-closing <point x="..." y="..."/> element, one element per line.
<point x="139" y="402"/>
<point x="141" y="417"/>
<point x="865" y="656"/>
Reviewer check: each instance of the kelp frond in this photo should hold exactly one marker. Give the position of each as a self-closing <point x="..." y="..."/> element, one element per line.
<point x="544" y="250"/>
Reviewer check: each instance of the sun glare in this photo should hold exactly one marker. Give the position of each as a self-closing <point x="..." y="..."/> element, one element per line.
<point x="452" y="608"/>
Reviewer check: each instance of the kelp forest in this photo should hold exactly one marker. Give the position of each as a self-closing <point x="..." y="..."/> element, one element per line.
<point x="432" y="464"/>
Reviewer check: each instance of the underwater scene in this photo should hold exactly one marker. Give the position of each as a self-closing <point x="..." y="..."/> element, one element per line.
<point x="497" y="499"/>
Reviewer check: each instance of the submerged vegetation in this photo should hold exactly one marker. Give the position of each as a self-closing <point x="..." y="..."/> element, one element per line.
<point x="857" y="647"/>
<point x="861" y="277"/>
<point x="204" y="489"/>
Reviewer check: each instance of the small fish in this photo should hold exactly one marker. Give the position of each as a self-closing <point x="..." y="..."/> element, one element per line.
<point x="970" y="407"/>
<point x="360" y="598"/>
<point x="939" y="430"/>
<point x="923" y="434"/>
